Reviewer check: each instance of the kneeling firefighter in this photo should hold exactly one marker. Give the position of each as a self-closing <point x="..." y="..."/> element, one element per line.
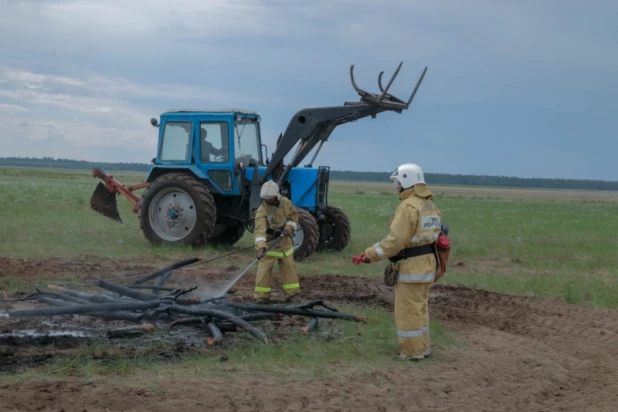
<point x="276" y="217"/>
<point x="418" y="251"/>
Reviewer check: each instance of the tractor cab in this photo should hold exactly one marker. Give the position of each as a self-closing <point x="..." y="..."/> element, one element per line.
<point x="218" y="143"/>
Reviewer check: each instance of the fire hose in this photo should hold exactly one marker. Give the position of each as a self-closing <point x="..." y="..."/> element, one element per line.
<point x="259" y="257"/>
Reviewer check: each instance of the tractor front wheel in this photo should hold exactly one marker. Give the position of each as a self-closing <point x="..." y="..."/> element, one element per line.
<point x="177" y="209"/>
<point x="334" y="229"/>
<point x="305" y="238"/>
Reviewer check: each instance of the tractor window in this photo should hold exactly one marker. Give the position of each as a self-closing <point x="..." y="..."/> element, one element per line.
<point x="214" y="147"/>
<point x="176" y="142"/>
<point x="246" y="141"/>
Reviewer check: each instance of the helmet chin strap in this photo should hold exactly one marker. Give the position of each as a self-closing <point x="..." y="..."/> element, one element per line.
<point x="401" y="189"/>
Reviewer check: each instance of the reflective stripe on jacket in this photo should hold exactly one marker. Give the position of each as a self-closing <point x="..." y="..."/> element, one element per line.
<point x="416" y="222"/>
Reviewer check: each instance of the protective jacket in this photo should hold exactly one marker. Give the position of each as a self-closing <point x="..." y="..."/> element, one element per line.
<point x="416" y="222"/>
<point x="270" y="220"/>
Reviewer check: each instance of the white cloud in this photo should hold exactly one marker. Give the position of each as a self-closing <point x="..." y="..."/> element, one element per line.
<point x="12" y="108"/>
<point x="45" y="106"/>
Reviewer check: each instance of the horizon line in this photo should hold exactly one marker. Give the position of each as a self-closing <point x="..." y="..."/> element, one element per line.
<point x="55" y="159"/>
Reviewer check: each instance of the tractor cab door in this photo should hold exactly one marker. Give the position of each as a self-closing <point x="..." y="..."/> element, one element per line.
<point x="213" y="153"/>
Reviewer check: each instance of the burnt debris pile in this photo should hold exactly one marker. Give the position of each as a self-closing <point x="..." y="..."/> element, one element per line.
<point x="145" y="305"/>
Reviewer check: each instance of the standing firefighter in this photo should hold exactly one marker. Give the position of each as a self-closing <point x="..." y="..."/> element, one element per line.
<point x="275" y="217"/>
<point x="411" y="248"/>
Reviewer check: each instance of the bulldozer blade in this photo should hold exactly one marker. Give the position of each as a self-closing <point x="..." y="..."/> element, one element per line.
<point x="104" y="202"/>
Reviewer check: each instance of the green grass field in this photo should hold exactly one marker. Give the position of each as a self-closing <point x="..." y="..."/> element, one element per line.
<point x="557" y="247"/>
<point x="529" y="244"/>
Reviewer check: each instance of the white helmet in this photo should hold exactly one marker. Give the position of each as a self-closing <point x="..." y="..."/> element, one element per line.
<point x="269" y="190"/>
<point x="408" y="174"/>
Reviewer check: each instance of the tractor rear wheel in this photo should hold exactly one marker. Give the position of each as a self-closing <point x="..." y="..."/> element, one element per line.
<point x="334" y="229"/>
<point x="177" y="209"/>
<point x="305" y="238"/>
<point x="229" y="235"/>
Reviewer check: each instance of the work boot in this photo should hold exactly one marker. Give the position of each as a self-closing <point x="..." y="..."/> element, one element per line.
<point x="421" y="356"/>
<point x="294" y="299"/>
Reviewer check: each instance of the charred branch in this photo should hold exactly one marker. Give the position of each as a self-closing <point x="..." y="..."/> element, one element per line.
<point x="159" y="283"/>
<point x="153" y="288"/>
<point x="258" y="334"/>
<point x="94" y="298"/>
<point x="125" y="291"/>
<point x="313" y="324"/>
<point x="215" y="316"/>
<point x="169" y="268"/>
<point x="131" y="331"/>
<point x="216" y="336"/>
<point x="298" y="311"/>
<point x="90" y="308"/>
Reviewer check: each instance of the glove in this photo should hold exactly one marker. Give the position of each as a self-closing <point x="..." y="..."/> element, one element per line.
<point x="360" y="259"/>
<point x="285" y="232"/>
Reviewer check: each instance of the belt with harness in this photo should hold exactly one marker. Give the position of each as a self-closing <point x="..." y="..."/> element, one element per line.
<point x="413" y="252"/>
<point x="391" y="274"/>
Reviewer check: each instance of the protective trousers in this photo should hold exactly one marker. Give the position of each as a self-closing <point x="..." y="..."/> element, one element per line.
<point x="412" y="317"/>
<point x="287" y="269"/>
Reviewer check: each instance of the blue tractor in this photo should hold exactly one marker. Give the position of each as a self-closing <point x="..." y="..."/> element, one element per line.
<point x="204" y="184"/>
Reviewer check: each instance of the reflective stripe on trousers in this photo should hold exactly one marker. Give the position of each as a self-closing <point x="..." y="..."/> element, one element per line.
<point x="428" y="277"/>
<point x="412" y="333"/>
<point x="287" y="253"/>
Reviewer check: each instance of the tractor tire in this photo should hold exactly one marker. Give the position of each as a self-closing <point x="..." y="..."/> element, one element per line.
<point x="334" y="229"/>
<point x="177" y="209"/>
<point x="229" y="236"/>
<point x="306" y="237"/>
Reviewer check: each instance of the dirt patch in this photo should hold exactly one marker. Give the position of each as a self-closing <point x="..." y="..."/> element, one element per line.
<point x="84" y="266"/>
<point x="523" y="354"/>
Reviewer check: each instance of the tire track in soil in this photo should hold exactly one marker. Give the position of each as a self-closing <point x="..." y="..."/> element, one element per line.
<point x="523" y="354"/>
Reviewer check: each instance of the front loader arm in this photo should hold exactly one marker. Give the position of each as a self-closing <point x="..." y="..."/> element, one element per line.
<point x="314" y="125"/>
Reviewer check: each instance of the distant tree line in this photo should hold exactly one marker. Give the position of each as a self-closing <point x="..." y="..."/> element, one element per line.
<point x="431" y="178"/>
<point x="71" y="164"/>
<point x="485" y="180"/>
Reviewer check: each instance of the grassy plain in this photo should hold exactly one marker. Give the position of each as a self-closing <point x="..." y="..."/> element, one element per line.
<point x="534" y="242"/>
<point x="541" y="243"/>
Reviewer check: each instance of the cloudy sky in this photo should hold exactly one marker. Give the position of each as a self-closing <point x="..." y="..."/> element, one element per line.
<point x="520" y="88"/>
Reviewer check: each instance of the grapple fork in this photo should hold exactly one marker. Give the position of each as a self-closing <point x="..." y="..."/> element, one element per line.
<point x="385" y="99"/>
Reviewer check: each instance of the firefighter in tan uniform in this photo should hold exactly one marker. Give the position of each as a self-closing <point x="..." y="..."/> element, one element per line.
<point x="414" y="229"/>
<point x="276" y="216"/>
